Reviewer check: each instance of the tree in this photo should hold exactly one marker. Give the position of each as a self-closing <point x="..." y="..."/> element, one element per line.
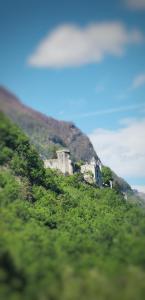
<point x="106" y="175"/>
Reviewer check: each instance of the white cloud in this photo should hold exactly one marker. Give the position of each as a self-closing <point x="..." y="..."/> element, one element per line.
<point x="109" y="111"/>
<point x="138" y="81"/>
<point x="122" y="149"/>
<point x="140" y="188"/>
<point x="69" y="45"/>
<point x="136" y="4"/>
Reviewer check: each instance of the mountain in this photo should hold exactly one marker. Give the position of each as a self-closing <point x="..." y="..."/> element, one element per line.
<point x="121" y="184"/>
<point x="49" y="134"/>
<point x="46" y="133"/>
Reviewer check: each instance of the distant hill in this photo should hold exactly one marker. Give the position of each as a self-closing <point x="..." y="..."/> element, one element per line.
<point x="45" y="132"/>
<point x="139" y="194"/>
<point x="123" y="186"/>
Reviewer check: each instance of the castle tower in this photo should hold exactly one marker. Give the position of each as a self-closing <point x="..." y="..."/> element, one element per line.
<point x="64" y="161"/>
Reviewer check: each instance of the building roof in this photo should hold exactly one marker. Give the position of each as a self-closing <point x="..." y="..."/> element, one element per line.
<point x="63" y="150"/>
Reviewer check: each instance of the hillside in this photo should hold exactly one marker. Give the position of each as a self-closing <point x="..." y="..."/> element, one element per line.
<point x="61" y="238"/>
<point x="46" y="133"/>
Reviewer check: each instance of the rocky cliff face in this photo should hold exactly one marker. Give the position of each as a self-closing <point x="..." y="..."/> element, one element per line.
<point x="46" y="133"/>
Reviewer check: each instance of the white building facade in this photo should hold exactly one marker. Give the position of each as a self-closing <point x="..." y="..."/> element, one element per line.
<point x="92" y="171"/>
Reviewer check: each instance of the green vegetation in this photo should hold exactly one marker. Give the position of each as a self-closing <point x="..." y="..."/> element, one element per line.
<point x="62" y="239"/>
<point x="106" y="175"/>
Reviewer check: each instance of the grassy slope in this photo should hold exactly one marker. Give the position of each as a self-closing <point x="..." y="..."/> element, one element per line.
<point x="61" y="238"/>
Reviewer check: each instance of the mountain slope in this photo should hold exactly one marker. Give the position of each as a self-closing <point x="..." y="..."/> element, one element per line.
<point x="61" y="238"/>
<point x="49" y="134"/>
<point x="45" y="132"/>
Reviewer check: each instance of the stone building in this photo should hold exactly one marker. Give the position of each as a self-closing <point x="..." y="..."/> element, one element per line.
<point x="92" y="172"/>
<point x="62" y="162"/>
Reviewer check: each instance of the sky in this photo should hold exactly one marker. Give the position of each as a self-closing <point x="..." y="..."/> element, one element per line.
<point x="82" y="61"/>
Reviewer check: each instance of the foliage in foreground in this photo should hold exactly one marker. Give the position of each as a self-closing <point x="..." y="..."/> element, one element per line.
<point x="62" y="239"/>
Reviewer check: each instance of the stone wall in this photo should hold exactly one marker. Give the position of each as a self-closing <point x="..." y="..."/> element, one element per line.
<point x="91" y="171"/>
<point x="51" y="163"/>
<point x="62" y="163"/>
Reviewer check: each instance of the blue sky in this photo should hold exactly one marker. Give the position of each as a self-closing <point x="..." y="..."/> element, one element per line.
<point x="82" y="61"/>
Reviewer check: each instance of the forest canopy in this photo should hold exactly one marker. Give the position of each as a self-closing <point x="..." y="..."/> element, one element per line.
<point x="61" y="238"/>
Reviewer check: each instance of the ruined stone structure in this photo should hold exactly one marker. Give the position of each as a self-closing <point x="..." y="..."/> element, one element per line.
<point x="62" y="162"/>
<point x="91" y="171"/>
